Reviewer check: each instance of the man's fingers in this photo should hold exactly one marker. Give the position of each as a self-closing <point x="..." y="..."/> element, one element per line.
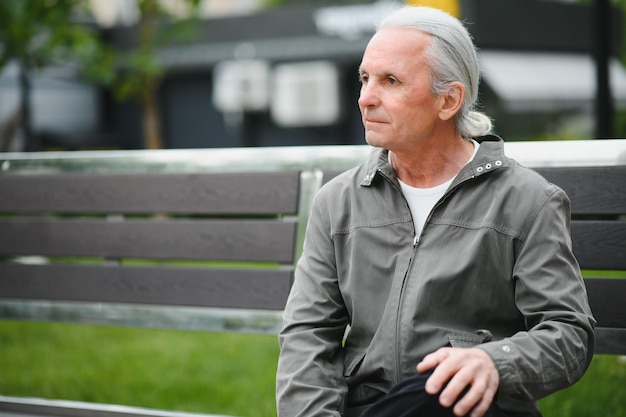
<point x="471" y="400"/>
<point x="465" y="379"/>
<point x="432" y="360"/>
<point x="479" y="409"/>
<point x="480" y="390"/>
<point x="440" y="375"/>
<point x="453" y="391"/>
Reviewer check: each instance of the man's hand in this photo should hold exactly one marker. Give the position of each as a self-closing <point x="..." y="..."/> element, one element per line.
<point x="462" y="368"/>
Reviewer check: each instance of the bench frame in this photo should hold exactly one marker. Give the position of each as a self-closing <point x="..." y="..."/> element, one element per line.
<point x="569" y="164"/>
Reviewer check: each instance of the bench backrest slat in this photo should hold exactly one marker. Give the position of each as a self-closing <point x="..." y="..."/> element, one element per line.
<point x="600" y="244"/>
<point x="610" y="341"/>
<point x="160" y="285"/>
<point x="216" y="193"/>
<point x="243" y="240"/>
<point x="606" y="296"/>
<point x="592" y="190"/>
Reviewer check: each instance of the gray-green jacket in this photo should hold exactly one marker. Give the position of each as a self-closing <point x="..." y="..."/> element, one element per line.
<point x="494" y="258"/>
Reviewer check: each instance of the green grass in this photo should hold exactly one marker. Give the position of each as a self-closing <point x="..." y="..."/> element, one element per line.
<point x="599" y="393"/>
<point x="219" y="373"/>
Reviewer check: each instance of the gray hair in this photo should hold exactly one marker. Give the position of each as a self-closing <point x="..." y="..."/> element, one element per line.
<point x="452" y="57"/>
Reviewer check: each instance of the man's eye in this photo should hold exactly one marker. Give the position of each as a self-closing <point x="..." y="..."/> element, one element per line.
<point x="392" y="81"/>
<point x="363" y="79"/>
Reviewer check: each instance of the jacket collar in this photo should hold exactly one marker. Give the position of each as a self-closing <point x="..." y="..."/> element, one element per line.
<point x="490" y="157"/>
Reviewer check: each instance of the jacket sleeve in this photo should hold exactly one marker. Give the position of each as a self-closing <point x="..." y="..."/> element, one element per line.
<point x="310" y="378"/>
<point x="557" y="346"/>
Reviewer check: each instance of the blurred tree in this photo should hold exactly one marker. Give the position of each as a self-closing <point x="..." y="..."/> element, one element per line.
<point x="141" y="71"/>
<point x="37" y="33"/>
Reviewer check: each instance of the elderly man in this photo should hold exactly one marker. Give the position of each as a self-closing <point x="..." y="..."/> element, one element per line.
<point x="440" y="266"/>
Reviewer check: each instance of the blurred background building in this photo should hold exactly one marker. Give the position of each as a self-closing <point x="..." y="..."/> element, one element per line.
<point x="255" y="75"/>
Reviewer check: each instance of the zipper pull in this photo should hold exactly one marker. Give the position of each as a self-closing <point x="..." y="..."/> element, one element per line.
<point x="416" y="239"/>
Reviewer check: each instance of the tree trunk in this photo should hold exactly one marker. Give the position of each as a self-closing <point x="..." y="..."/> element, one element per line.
<point x="149" y="101"/>
<point x="151" y="122"/>
<point x="31" y="143"/>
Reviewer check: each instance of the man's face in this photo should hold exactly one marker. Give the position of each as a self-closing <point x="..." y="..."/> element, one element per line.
<point x="397" y="106"/>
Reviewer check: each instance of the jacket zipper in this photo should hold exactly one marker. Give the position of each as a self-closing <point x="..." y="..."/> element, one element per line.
<point x="397" y="346"/>
<point x="416" y="240"/>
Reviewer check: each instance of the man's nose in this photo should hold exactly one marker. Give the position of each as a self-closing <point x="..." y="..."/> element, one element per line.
<point x="368" y="96"/>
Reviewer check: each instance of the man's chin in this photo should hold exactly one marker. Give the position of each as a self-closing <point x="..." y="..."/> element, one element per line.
<point x="374" y="141"/>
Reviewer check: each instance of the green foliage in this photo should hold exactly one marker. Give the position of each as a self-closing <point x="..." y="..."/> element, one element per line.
<point x="45" y="32"/>
<point x="38" y="33"/>
<point x="42" y="32"/>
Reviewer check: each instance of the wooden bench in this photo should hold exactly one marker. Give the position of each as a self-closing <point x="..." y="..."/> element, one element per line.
<point x="208" y="239"/>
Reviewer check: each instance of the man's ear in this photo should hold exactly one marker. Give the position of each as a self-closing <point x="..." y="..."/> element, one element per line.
<point x="452" y="101"/>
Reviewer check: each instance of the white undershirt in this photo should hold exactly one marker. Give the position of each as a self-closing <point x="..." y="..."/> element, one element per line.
<point x="422" y="200"/>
